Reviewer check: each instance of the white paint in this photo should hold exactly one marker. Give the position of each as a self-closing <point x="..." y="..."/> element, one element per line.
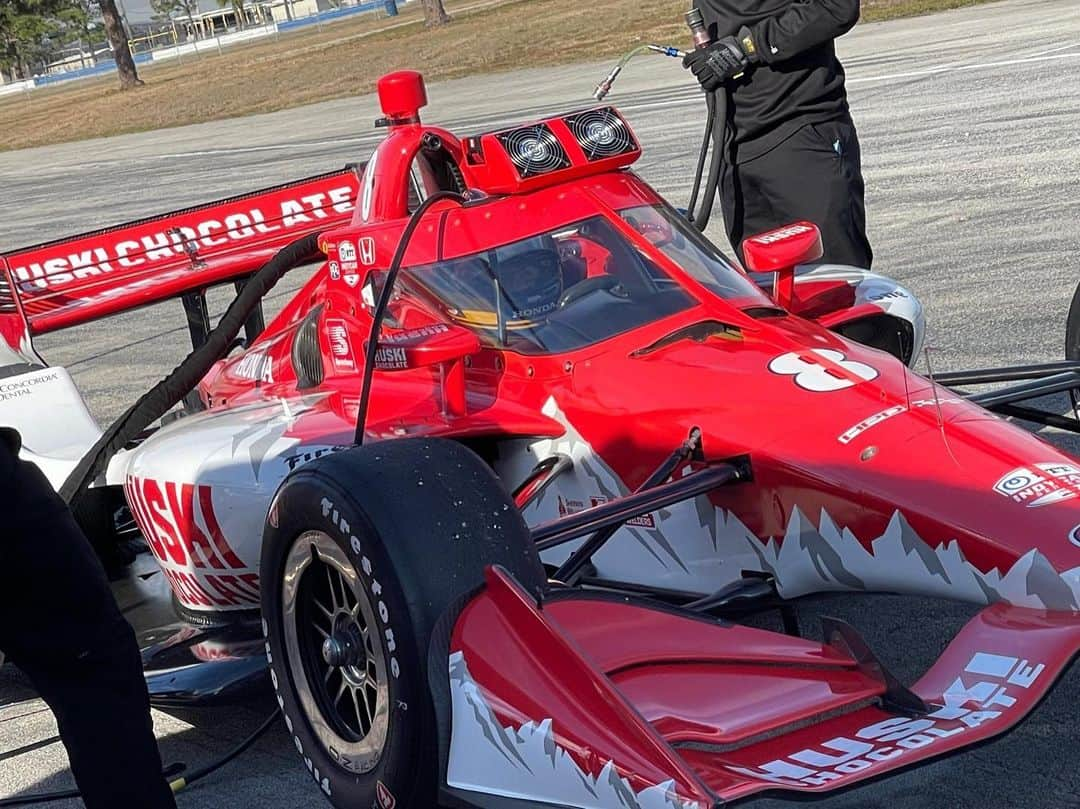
<point x="528" y="763"/>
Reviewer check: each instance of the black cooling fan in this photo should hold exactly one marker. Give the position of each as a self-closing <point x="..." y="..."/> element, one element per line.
<point x="601" y="133"/>
<point x="534" y="150"/>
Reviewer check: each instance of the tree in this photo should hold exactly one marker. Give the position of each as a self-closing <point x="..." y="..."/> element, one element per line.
<point x="118" y="39"/>
<point x="80" y="19"/>
<point x="434" y="13"/>
<point x="26" y="30"/>
<point x="170" y="9"/>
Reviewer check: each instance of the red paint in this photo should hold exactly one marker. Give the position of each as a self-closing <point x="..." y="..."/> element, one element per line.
<point x="780" y="251"/>
<point x="504" y="637"/>
<point x="402" y="94"/>
<point x="77" y="280"/>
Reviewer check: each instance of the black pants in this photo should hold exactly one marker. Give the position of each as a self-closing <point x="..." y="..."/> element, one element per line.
<point x="816" y="175"/>
<point x="60" y="624"/>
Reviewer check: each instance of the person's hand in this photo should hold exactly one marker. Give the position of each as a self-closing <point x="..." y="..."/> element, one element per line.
<point x="716" y="64"/>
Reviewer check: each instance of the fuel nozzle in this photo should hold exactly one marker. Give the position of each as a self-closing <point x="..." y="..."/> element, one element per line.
<point x="604" y="87"/>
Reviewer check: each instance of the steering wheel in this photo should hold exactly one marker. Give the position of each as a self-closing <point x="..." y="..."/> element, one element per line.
<point x="586" y="287"/>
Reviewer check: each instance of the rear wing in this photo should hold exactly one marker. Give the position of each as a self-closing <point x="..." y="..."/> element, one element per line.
<point x="75" y="280"/>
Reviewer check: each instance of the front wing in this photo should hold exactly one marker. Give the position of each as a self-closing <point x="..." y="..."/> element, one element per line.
<point x="586" y="700"/>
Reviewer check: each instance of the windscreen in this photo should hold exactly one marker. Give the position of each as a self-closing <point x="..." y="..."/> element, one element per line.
<point x="555" y="292"/>
<point x="680" y="241"/>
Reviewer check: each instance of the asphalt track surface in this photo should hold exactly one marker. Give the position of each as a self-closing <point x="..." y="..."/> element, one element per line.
<point x="968" y="122"/>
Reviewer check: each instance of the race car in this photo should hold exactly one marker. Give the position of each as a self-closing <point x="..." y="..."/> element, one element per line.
<point x="485" y="497"/>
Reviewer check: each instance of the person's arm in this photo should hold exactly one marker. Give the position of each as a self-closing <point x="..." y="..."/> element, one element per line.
<point x="803" y="25"/>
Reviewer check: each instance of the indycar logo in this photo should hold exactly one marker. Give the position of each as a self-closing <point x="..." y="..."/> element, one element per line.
<point x="1041" y="484"/>
<point x="813" y="375"/>
<point x="987" y="683"/>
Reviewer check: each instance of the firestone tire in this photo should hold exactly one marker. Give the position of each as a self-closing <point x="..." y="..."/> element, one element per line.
<point x="1072" y="328"/>
<point x="404" y="529"/>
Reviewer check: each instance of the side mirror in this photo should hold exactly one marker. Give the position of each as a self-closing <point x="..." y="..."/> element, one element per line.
<point x="439" y="344"/>
<point x="428" y="345"/>
<point x="780" y="251"/>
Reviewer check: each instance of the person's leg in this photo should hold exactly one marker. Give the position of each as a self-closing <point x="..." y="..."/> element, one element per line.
<point x="60" y="624"/>
<point x="816" y="175"/>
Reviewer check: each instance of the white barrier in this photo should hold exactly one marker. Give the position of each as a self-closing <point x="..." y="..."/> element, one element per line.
<point x="16" y="87"/>
<point x="213" y="45"/>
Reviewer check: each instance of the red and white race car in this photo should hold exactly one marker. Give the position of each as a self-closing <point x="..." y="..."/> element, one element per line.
<point x="496" y="478"/>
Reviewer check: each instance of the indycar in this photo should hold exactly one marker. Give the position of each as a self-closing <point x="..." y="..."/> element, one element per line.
<point x="488" y="496"/>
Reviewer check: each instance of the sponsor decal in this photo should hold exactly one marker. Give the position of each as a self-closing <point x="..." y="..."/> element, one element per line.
<point x="890" y="295"/>
<point x="306" y="455"/>
<point x="415" y="334"/>
<point x="810" y="374"/>
<point x="854" y="432"/>
<point x="782" y="234"/>
<point x="568" y="506"/>
<point x="384" y="798"/>
<point x="986" y="683"/>
<point x="1074" y="535"/>
<point x="62" y="265"/>
<point x="643" y="521"/>
<point x="389" y="358"/>
<point x="341" y="351"/>
<point x="255" y="365"/>
<point x="19" y="388"/>
<point x="352" y="279"/>
<point x="335" y="271"/>
<point x="1041" y="484"/>
<point x="181" y="527"/>
<point x="347" y="253"/>
<point x="366" y="245"/>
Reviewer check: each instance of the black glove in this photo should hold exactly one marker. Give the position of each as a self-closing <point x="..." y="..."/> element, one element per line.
<point x="716" y="64"/>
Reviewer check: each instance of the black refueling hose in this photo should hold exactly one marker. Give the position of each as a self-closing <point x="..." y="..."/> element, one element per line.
<point x="157" y="401"/>
<point x="384" y="301"/>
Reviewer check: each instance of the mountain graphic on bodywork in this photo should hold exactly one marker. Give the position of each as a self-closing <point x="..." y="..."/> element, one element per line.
<point x="826" y="558"/>
<point x="528" y="763"/>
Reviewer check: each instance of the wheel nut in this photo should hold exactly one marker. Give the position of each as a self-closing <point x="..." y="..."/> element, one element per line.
<point x="335" y="651"/>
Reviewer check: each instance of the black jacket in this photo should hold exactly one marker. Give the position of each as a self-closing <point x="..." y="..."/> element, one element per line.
<point x="801" y="81"/>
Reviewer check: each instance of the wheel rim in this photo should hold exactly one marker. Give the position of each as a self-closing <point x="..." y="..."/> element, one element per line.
<point x="334" y="655"/>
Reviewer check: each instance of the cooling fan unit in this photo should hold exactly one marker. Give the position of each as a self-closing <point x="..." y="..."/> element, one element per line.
<point x="601" y="133"/>
<point x="534" y="150"/>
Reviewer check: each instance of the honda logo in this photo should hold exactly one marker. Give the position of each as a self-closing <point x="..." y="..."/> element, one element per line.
<point x="367" y="250"/>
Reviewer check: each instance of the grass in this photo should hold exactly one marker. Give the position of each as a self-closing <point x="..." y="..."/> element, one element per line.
<point x="346" y="58"/>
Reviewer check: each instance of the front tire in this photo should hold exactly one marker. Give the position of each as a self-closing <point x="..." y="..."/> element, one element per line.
<point x="362" y="553"/>
<point x="1072" y="328"/>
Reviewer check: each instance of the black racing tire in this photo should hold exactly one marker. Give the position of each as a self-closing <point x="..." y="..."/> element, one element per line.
<point x="1072" y="328"/>
<point x="416" y="521"/>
